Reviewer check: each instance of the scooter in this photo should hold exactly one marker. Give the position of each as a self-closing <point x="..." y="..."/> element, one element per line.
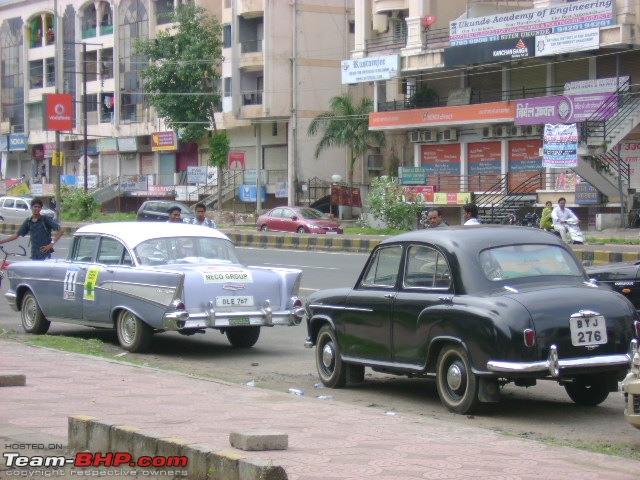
<point x="574" y="233"/>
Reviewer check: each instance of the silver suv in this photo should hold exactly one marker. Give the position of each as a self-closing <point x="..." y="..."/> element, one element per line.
<point x="16" y="209"/>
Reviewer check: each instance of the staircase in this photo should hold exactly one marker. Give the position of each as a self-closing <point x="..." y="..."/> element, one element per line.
<point x="230" y="181"/>
<point x="496" y="204"/>
<point x="600" y="136"/>
<point x="107" y="191"/>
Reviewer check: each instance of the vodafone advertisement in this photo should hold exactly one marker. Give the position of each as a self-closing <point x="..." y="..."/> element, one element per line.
<point x="58" y="112"/>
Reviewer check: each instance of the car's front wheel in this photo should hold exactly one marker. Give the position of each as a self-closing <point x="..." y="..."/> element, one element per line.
<point x="587" y="393"/>
<point x="301" y="230"/>
<point x="33" y="320"/>
<point x="243" y="337"/>
<point x="457" y="384"/>
<point x="133" y="334"/>
<point x="331" y="368"/>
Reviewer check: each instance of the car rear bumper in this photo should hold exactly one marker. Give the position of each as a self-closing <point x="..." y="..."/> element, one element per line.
<point x="264" y="317"/>
<point x="555" y="366"/>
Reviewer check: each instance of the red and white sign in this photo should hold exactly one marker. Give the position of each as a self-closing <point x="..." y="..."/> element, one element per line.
<point x="236" y="161"/>
<point x="58" y="111"/>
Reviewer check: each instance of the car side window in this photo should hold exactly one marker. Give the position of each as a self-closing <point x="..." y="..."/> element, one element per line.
<point x="82" y="249"/>
<point x="383" y="267"/>
<point x="22" y="205"/>
<point x="8" y="203"/>
<point x="426" y="268"/>
<point x="110" y="252"/>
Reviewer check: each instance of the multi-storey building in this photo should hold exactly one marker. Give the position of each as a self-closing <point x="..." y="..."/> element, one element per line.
<point x="477" y="81"/>
<point x="281" y="66"/>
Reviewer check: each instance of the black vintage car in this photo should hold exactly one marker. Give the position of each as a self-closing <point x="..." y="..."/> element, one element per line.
<point x="476" y="307"/>
<point x="622" y="277"/>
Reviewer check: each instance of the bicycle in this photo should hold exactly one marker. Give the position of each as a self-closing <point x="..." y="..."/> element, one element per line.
<point x="5" y="262"/>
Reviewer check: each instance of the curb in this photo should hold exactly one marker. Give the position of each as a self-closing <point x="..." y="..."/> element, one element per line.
<point x="86" y="433"/>
<point x="350" y="244"/>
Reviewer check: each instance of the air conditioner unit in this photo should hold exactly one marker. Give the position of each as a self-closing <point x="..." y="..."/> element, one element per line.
<point x="488" y="132"/>
<point x="533" y="130"/>
<point x="502" y="131"/>
<point x="450" y="134"/>
<point x="374" y="162"/>
<point x="517" y="131"/>
<point x="429" y="136"/>
<point x="414" y="137"/>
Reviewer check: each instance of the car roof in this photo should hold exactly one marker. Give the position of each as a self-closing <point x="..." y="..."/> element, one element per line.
<point x="134" y="233"/>
<point x="476" y="237"/>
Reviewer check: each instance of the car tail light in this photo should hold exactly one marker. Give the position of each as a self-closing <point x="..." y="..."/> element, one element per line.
<point x="529" y="337"/>
<point x="178" y="305"/>
<point x="298" y="303"/>
<point x="5" y="265"/>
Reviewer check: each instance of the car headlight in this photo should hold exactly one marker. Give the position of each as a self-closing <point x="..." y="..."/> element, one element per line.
<point x="314" y="227"/>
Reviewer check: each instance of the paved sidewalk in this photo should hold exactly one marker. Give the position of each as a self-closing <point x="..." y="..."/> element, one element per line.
<point x="327" y="439"/>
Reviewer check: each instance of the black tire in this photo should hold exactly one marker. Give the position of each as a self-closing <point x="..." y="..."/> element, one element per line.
<point x="33" y="320"/>
<point x="301" y="230"/>
<point x="331" y="368"/>
<point x="243" y="337"/>
<point x="264" y="228"/>
<point x="133" y="334"/>
<point x="587" y="393"/>
<point x="457" y="384"/>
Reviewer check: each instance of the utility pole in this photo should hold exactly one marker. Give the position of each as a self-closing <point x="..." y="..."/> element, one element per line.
<point x="59" y="79"/>
<point x="84" y="114"/>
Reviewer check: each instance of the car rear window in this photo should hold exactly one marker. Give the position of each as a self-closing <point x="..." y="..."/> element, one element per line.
<point x="517" y="261"/>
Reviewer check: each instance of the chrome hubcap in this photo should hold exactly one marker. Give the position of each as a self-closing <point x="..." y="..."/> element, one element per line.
<point x="128" y="329"/>
<point x="327" y="356"/>
<point x="454" y="376"/>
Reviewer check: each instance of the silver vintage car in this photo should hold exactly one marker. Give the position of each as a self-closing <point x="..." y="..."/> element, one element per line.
<point x="142" y="278"/>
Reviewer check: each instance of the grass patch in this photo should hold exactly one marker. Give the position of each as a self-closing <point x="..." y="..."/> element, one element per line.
<point x="614" y="241"/>
<point x="372" y="231"/>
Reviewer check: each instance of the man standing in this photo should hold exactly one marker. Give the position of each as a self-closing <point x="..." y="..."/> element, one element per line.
<point x="39" y="227"/>
<point x="471" y="214"/>
<point x="560" y="216"/>
<point x="174" y="215"/>
<point x="434" y="217"/>
<point x="200" y="219"/>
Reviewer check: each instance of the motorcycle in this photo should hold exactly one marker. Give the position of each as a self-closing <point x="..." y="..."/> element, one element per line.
<point x="531" y="219"/>
<point x="5" y="263"/>
<point x="574" y="233"/>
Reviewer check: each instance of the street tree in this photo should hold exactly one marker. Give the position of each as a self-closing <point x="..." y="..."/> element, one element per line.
<point x="346" y="125"/>
<point x="181" y="80"/>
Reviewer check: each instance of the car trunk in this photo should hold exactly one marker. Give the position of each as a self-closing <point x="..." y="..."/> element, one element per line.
<point x="588" y="332"/>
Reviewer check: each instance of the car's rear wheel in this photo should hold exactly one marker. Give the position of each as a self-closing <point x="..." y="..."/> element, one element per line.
<point x="33" y="320"/>
<point x="331" y="368"/>
<point x="243" y="337"/>
<point x="264" y="228"/>
<point x="587" y="393"/>
<point x="301" y="230"/>
<point x="457" y="384"/>
<point x="133" y="334"/>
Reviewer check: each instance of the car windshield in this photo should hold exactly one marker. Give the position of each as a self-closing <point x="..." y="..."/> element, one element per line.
<point x="311" y="213"/>
<point x="180" y="250"/>
<point x="517" y="261"/>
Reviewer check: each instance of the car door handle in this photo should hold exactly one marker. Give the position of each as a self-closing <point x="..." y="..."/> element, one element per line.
<point x="389" y="295"/>
<point x="446" y="299"/>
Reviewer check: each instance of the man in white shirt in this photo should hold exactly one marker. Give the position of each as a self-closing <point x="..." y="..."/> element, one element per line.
<point x="560" y="216"/>
<point x="471" y="214"/>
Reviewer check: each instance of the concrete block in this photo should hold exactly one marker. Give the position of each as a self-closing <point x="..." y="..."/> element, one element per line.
<point x="145" y="444"/>
<point x="78" y="432"/>
<point x="255" y="469"/>
<point x="259" y="440"/>
<point x="223" y="465"/>
<point x="122" y="439"/>
<point x="99" y="439"/>
<point x="13" y="380"/>
<point x="198" y="457"/>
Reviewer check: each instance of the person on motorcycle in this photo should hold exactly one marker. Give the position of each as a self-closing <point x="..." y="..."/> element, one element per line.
<point x="560" y="216"/>
<point x="546" y="223"/>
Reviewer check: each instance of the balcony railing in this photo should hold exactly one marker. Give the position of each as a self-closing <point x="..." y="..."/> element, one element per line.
<point x="252" y="97"/>
<point x="251" y="46"/>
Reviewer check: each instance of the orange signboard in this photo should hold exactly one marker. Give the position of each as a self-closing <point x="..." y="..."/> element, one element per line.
<point x="441" y="116"/>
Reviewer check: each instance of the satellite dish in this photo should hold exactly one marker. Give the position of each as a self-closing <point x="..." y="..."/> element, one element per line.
<point x="428" y="21"/>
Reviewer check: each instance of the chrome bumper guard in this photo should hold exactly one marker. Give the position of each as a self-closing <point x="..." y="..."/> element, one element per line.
<point x="210" y="318"/>
<point x="554" y="365"/>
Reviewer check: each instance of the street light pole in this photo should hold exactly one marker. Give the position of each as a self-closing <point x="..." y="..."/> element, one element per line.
<point x="58" y="83"/>
<point x="84" y="114"/>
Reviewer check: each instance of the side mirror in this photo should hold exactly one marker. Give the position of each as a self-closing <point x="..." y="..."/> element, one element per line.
<point x="294" y="217"/>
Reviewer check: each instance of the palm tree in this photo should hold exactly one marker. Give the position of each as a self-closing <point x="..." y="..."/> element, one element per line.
<point x="346" y="125"/>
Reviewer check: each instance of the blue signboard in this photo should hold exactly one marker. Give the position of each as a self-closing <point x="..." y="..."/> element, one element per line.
<point x="248" y="193"/>
<point x="17" y="142"/>
<point x="586" y="194"/>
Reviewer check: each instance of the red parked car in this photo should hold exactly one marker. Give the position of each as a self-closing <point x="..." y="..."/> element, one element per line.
<point x="297" y="219"/>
